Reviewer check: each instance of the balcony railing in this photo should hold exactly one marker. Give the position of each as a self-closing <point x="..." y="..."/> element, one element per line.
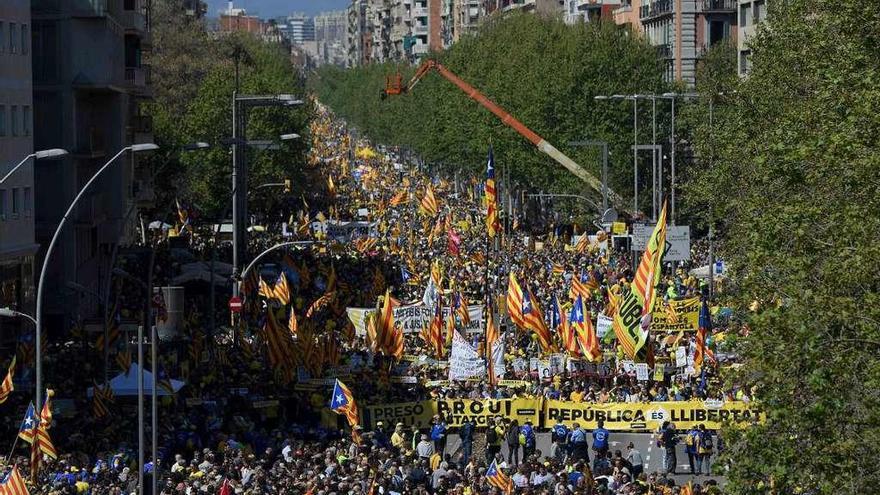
<point x="138" y="77"/>
<point x="663" y="51"/>
<point x="656" y="9"/>
<point x="719" y="5"/>
<point x="133" y="19"/>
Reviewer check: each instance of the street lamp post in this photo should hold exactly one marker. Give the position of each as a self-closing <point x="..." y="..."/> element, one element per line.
<point x="11" y="313"/>
<point x="37" y="155"/>
<point x="672" y="97"/>
<point x="41" y="282"/>
<point x="239" y="169"/>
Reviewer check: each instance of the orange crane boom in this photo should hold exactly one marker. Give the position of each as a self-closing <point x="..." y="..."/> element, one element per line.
<point x="394" y="87"/>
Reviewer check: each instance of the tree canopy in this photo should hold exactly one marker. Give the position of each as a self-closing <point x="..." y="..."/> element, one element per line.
<point x="793" y="186"/>
<point x="543" y="72"/>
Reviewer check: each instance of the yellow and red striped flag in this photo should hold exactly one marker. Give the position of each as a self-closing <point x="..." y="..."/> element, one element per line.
<point x="399" y="198"/>
<point x="526" y="313"/>
<point x="281" y="290"/>
<point x="13" y="484"/>
<point x="632" y="319"/>
<point x="492" y="223"/>
<point x="582" y="324"/>
<point x="429" y="206"/>
<point x="492" y="336"/>
<point x="702" y="353"/>
<point x="7" y="387"/>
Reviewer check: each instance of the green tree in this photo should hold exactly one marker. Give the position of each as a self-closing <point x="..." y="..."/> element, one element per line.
<point x="793" y="186"/>
<point x="209" y="118"/>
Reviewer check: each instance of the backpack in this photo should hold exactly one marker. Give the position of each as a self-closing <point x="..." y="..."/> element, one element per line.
<point x="706" y="444"/>
<point x="491" y="435"/>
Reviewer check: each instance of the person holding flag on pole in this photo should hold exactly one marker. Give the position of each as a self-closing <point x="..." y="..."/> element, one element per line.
<point x="342" y="402"/>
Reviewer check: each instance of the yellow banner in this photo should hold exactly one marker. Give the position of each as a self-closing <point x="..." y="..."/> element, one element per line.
<point x="456" y="411"/>
<point x="687" y="311"/>
<point x="649" y="415"/>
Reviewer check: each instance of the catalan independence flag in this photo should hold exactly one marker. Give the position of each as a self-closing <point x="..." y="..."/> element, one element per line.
<point x="562" y="327"/>
<point x="7" y="387"/>
<point x="638" y="302"/>
<point x="492" y="223"/>
<point x="702" y="351"/>
<point x="429" y="206"/>
<point x="13" y="483"/>
<point x="526" y="313"/>
<point x="496" y="477"/>
<point x="492" y="336"/>
<point x="28" y="429"/>
<point x="582" y="325"/>
<point x="343" y="402"/>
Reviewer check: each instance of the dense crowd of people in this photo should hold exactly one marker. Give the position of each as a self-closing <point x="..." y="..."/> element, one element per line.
<point x="242" y="425"/>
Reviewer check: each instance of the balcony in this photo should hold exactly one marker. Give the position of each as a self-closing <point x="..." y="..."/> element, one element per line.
<point x="138" y="78"/>
<point x="663" y="51"/>
<point x="133" y="20"/>
<point x="420" y="29"/>
<point x="95" y="8"/>
<point x="656" y="9"/>
<point x="91" y="143"/>
<point x="420" y="12"/>
<point x="719" y="5"/>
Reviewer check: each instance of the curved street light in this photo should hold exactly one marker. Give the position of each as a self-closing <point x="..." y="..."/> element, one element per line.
<point x="37" y="155"/>
<point x="135" y="148"/>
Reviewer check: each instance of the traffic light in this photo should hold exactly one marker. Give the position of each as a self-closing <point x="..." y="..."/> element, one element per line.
<point x="287" y="185"/>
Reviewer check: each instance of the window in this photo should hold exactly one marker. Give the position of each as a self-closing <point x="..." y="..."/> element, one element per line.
<point x="2" y="37"/>
<point x="26" y="120"/>
<point x="25" y="41"/>
<point x="2" y="204"/>
<point x="760" y="11"/>
<point x="13" y="120"/>
<point x="2" y="120"/>
<point x="16" y="200"/>
<point x="13" y="38"/>
<point x="745" y="15"/>
<point x="28" y="201"/>
<point x="744" y="63"/>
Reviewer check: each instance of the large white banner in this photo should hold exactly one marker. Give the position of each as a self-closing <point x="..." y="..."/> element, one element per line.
<point x="464" y="361"/>
<point x="345" y="231"/>
<point x="603" y="325"/>
<point x="413" y="318"/>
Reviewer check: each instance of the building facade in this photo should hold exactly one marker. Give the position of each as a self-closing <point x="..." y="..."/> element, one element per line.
<point x="89" y="86"/>
<point x="682" y="31"/>
<point x="750" y="13"/>
<point x="17" y="246"/>
<point x="298" y="28"/>
<point x="330" y="35"/>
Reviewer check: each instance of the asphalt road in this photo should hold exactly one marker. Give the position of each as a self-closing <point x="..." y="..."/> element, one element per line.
<point x="643" y="442"/>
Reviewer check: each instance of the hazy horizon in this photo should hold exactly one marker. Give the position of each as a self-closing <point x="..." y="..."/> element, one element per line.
<point x="276" y="8"/>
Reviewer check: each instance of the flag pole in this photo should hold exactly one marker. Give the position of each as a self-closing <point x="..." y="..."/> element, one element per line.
<point x="14" y="444"/>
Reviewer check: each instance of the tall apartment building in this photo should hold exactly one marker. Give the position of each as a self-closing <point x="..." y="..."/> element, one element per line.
<point x="749" y="15"/>
<point x="681" y="30"/>
<point x="466" y="16"/>
<point x="89" y="84"/>
<point x="330" y="34"/>
<point x="298" y="28"/>
<point x="357" y="35"/>
<point x="576" y="11"/>
<point x="17" y="247"/>
<point x="379" y="23"/>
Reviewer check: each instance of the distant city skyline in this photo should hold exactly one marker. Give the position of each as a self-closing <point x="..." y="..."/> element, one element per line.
<point x="268" y="9"/>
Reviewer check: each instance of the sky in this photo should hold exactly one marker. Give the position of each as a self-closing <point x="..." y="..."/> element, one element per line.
<point x="275" y="8"/>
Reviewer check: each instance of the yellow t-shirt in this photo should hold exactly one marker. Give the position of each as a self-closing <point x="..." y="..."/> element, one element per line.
<point x="397" y="440"/>
<point x="577" y="396"/>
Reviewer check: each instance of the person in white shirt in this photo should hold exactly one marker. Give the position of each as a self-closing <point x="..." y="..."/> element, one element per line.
<point x="520" y="479"/>
<point x="542" y="477"/>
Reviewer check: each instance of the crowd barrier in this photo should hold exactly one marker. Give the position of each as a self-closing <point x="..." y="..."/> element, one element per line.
<point x="544" y="413"/>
